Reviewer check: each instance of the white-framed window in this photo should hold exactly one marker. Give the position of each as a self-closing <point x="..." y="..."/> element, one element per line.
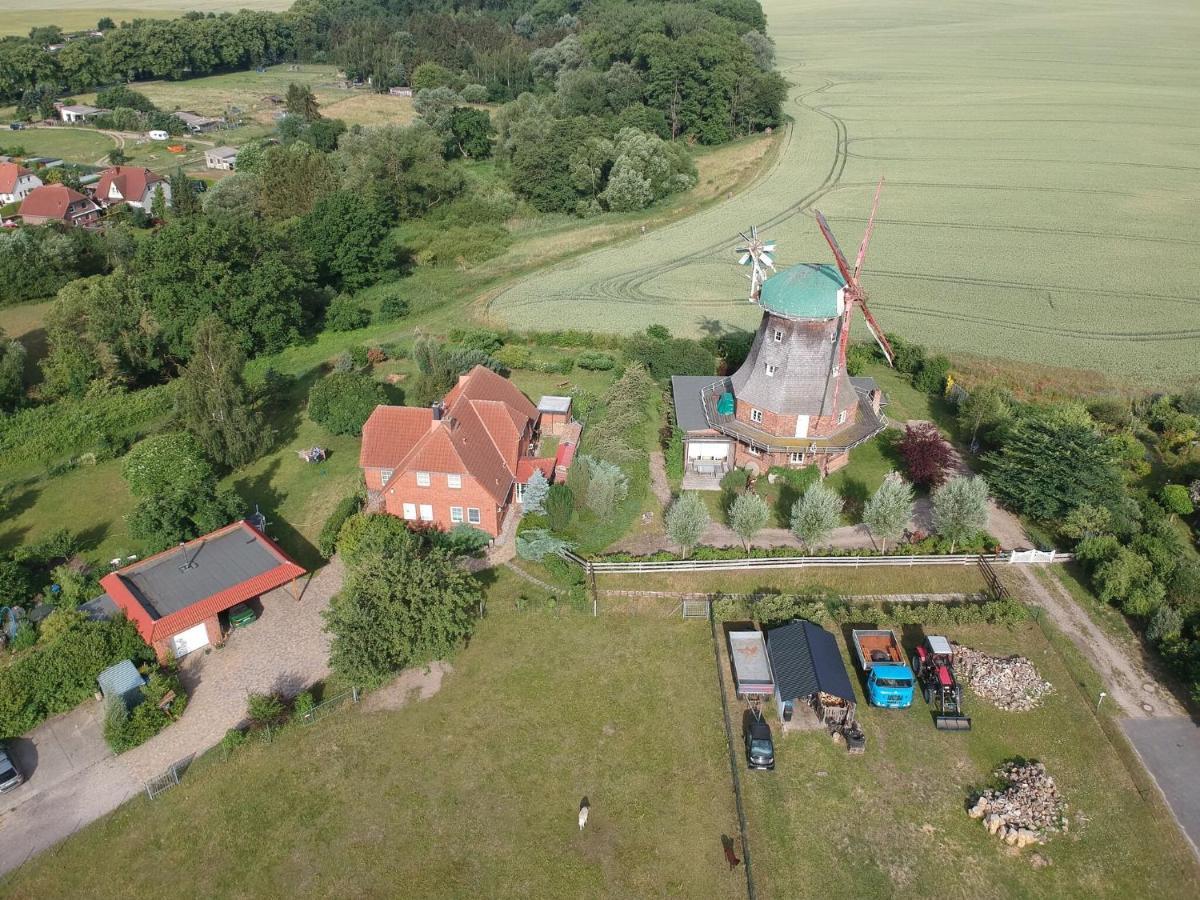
<point x="453" y="481"/>
<point x="384" y="475"/>
<point x="842" y="417"/>
<point x="778" y="335"/>
<point x="756" y="416"/>
<point x="771" y="370"/>
<point x="423" y="479"/>
<point x="754" y="451"/>
<point x="456" y="514"/>
<point x="797" y="458"/>
<point x="426" y="512"/>
<point x="519" y="492"/>
<point x="473" y="515"/>
<point x="410" y="511"/>
<point x="835" y="371"/>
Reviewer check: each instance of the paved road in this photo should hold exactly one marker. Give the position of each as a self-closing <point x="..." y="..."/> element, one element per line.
<point x="1170" y="749"/>
<point x="74" y="779"/>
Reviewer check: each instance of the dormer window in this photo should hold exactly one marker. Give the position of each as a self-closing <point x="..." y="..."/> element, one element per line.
<point x="756" y="416"/>
<point x="771" y="370"/>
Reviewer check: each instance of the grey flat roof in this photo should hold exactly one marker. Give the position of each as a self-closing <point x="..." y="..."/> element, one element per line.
<point x="181" y="577"/>
<point x="689" y="410"/>
<point x="552" y="403"/>
<point x="100" y="608"/>
<point x="223" y="152"/>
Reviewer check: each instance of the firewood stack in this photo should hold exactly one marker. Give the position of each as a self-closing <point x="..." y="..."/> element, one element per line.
<point x="1025" y="811"/>
<point x="1009" y="682"/>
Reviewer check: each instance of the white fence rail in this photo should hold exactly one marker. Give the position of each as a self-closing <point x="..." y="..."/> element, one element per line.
<point x="803" y="562"/>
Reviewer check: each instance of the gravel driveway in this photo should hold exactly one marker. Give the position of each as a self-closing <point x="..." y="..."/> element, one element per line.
<point x="74" y="779"/>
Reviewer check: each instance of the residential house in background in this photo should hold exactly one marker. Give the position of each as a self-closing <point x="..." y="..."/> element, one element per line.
<point x="197" y="124"/>
<point x="16" y="182"/>
<point x="179" y="599"/>
<point x="463" y="461"/>
<point x="132" y="185"/>
<point x="73" y="115"/>
<point x="223" y="158"/>
<point x="57" y="203"/>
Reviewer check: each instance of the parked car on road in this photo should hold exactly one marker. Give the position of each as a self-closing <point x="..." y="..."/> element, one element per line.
<point x="9" y="776"/>
<point x="760" y="749"/>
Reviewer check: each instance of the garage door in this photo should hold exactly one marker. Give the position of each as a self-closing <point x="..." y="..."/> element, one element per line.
<point x="708" y="450"/>
<point x="187" y="641"/>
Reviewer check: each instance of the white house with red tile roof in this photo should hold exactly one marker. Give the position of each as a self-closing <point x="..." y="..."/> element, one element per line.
<point x="130" y="184"/>
<point x="464" y="461"/>
<point x="16" y="182"/>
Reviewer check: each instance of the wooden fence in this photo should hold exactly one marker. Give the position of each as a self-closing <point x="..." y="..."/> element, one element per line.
<point x="594" y="568"/>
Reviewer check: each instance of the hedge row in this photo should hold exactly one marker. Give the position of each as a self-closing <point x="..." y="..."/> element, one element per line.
<point x="826" y="610"/>
<point x="931" y="546"/>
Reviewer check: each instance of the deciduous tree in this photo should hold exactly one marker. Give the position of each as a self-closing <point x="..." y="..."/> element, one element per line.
<point x="960" y="508"/>
<point x="748" y="515"/>
<point x="926" y="454"/>
<point x="687" y="520"/>
<point x="887" y="512"/>
<point x="816" y="514"/>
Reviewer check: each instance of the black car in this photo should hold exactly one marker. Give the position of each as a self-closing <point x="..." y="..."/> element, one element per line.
<point x="9" y="776"/>
<point x="760" y="749"/>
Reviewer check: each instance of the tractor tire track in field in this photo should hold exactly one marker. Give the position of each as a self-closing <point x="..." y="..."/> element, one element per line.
<point x="628" y="287"/>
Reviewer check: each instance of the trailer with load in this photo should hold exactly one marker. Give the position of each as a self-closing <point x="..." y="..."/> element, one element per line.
<point x="934" y="668"/>
<point x="751" y="665"/>
<point x="889" y="679"/>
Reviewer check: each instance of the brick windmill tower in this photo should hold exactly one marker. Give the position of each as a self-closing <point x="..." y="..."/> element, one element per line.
<point x="792" y="402"/>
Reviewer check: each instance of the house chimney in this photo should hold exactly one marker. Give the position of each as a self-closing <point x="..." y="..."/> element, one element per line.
<point x="436" y="408"/>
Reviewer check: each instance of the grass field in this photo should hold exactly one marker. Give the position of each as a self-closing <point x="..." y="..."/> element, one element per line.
<point x="1041" y="185"/>
<point x="70" y="15"/>
<point x="78" y="145"/>
<point x="473" y="792"/>
<point x="892" y="822"/>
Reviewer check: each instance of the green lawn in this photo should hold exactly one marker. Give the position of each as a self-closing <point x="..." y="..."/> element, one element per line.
<point x="473" y="792"/>
<point x="844" y="580"/>
<point x="892" y="822"/>
<point x="77" y="145"/>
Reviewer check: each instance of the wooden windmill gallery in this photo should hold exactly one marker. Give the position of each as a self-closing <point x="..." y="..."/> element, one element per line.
<point x="791" y="403"/>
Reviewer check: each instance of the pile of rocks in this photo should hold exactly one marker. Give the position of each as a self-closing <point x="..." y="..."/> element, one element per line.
<point x="1009" y="682"/>
<point x="1025" y="811"/>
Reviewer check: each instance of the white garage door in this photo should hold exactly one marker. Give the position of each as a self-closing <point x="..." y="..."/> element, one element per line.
<point x="708" y="450"/>
<point x="187" y="641"/>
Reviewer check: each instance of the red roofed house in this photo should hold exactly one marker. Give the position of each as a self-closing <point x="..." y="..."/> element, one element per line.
<point x="130" y="184"/>
<point x="464" y="461"/>
<point x="176" y="598"/>
<point x="16" y="182"/>
<point x="57" y="203"/>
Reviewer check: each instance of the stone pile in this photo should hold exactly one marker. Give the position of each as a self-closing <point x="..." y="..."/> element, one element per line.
<point x="1025" y="811"/>
<point x="1009" y="682"/>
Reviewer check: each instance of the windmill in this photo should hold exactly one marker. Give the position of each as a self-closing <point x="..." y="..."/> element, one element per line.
<point x="757" y="254"/>
<point x="854" y="294"/>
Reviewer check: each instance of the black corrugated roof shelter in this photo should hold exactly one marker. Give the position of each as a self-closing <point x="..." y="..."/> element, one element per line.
<point x="805" y="660"/>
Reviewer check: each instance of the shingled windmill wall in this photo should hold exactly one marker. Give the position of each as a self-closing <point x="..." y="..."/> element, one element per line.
<point x="804" y="383"/>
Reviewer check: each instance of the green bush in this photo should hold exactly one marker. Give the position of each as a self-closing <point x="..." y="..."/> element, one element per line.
<point x="303" y="705"/>
<point x="595" y="362"/>
<point x="233" y="739"/>
<point x="463" y="540"/>
<point x="393" y="305"/>
<point x="734" y="481"/>
<point x="823" y="609"/>
<point x="346" y="314"/>
<point x="59" y="672"/>
<point x="673" y="453"/>
<point x="560" y="506"/>
<point x="343" y="401"/>
<point x="931" y="377"/>
<point x="125" y="729"/>
<point x="264" y="709"/>
<point x="514" y="356"/>
<point x="1176" y="499"/>
<point x="327" y="541"/>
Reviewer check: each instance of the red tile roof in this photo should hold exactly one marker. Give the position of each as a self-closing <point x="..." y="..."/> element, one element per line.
<point x="10" y="174"/>
<point x="527" y="465"/>
<point x="131" y="181"/>
<point x="50" y="201"/>
<point x="156" y="629"/>
<point x="484" y="420"/>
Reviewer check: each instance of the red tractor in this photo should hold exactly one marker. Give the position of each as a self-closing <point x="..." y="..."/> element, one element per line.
<point x="933" y="665"/>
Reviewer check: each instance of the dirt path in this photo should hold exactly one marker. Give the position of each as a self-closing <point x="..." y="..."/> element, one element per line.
<point x="1129" y="684"/>
<point x="658" y="478"/>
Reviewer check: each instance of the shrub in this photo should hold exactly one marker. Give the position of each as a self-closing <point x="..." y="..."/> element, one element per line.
<point x="798" y="479"/>
<point x="1176" y="499"/>
<point x="514" y="356"/>
<point x="342" y="402"/>
<point x="931" y="378"/>
<point x="393" y="305"/>
<point x="1166" y="623"/>
<point x="537" y="544"/>
<point x="474" y="93"/>
<point x="477" y="339"/>
<point x="303" y="705"/>
<point x="734" y="481"/>
<point x="347" y="506"/>
<point x="926" y="454"/>
<point x="233" y="739"/>
<point x="595" y="362"/>
<point x="463" y="540"/>
<point x="687" y="520"/>
<point x="125" y="729"/>
<point x="346" y="314"/>
<point x="607" y="487"/>
<point x="166" y="463"/>
<point x="560" y="505"/>
<point x="264" y="709"/>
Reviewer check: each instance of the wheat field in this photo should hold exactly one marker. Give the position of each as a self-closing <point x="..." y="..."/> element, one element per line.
<point x="1042" y="194"/>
